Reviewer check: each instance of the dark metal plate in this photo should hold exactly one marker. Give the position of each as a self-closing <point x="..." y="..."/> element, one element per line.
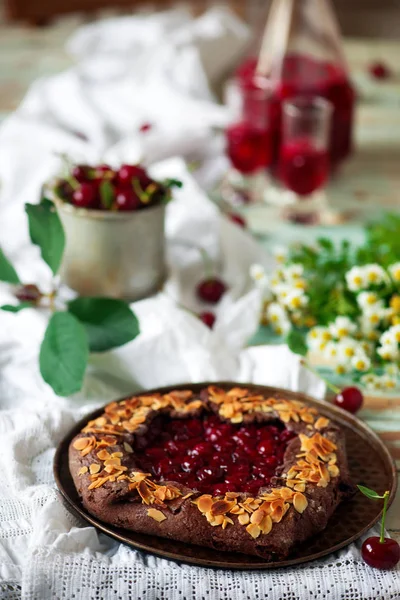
<point x="369" y="461"/>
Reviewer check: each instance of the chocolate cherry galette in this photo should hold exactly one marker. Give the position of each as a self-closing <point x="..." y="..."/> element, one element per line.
<point x="229" y="469"/>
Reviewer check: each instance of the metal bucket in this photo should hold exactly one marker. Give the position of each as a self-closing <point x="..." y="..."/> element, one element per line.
<point x="114" y="254"/>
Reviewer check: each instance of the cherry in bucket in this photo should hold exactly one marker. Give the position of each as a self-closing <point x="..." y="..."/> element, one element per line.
<point x="380" y="552"/>
<point x="128" y="188"/>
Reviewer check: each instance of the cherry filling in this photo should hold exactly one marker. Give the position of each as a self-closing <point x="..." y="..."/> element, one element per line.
<point x="211" y="456"/>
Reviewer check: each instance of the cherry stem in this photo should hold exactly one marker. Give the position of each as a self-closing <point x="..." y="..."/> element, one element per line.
<point x="329" y="385"/>
<point x="385" y="503"/>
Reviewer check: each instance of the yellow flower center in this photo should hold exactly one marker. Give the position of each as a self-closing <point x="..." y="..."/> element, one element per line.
<point x="357" y="280"/>
<point x="342" y="332"/>
<point x="295" y="302"/>
<point x="373" y="276"/>
<point x="395" y="303"/>
<point x="349" y="352"/>
<point x="389" y="383"/>
<point x="396" y="274"/>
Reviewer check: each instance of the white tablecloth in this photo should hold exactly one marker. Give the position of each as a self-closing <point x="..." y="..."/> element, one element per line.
<point x="130" y="71"/>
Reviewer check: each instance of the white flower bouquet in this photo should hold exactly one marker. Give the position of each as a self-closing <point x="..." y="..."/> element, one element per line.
<point x="338" y="305"/>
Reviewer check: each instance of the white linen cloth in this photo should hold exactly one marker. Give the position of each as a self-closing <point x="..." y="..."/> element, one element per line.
<point x="45" y="554"/>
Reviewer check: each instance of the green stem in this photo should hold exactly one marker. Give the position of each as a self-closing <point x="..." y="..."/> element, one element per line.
<point x="329" y="385"/>
<point x="385" y="503"/>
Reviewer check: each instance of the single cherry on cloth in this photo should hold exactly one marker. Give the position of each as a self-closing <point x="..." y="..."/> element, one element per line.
<point x="238" y="219"/>
<point x="208" y="319"/>
<point x="380" y="552"/>
<point x="211" y="290"/>
<point x="350" y="398"/>
<point x="379" y="70"/>
<point x="381" y="555"/>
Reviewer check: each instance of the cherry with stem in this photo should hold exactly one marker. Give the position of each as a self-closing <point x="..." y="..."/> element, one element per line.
<point x="349" y="398"/>
<point x="380" y="552"/>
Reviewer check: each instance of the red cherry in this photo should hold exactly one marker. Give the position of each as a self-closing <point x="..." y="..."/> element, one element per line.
<point x="238" y="219"/>
<point x="127" y="173"/>
<point x="211" y="290"/>
<point x="350" y="398"/>
<point x="220" y="489"/>
<point x="379" y="70"/>
<point x="81" y="173"/>
<point x="156" y="453"/>
<point x="145" y="127"/>
<point x="202" y="449"/>
<point x="209" y="474"/>
<point x="102" y="170"/>
<point x="84" y="196"/>
<point x="126" y="199"/>
<point x="208" y="319"/>
<point x="191" y="464"/>
<point x="266" y="447"/>
<point x="383" y="555"/>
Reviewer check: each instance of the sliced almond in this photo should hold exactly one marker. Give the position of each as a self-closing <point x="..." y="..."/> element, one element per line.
<point x="81" y="443"/>
<point x="227" y="521"/>
<point x="94" y="468"/>
<point x="333" y="470"/>
<point x="266" y="525"/>
<point x="321" y="423"/>
<point x="215" y="521"/>
<point x="101" y="421"/>
<point x="253" y="530"/>
<point x="221" y="507"/>
<point x="244" y="519"/>
<point x="300" y="502"/>
<point x="157" y="515"/>
<point x="204" y="503"/>
<point x="103" y="455"/>
<point x="257" y="516"/>
<point x="144" y="492"/>
<point x="82" y="470"/>
<point x="237" y="510"/>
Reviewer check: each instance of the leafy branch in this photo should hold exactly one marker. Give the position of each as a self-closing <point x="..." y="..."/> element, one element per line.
<point x="85" y="325"/>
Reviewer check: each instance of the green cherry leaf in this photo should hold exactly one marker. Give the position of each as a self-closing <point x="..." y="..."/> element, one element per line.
<point x="7" y="271"/>
<point x="64" y="354"/>
<point x="108" y="322"/>
<point x="369" y="493"/>
<point x="107" y="194"/>
<point x="46" y="231"/>
<point x="15" y="308"/>
<point x="296" y="342"/>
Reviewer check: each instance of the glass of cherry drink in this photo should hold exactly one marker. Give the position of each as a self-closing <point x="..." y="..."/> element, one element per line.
<point x="304" y="155"/>
<point x="248" y="138"/>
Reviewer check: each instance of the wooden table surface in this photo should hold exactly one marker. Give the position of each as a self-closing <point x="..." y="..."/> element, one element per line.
<point x="369" y="183"/>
